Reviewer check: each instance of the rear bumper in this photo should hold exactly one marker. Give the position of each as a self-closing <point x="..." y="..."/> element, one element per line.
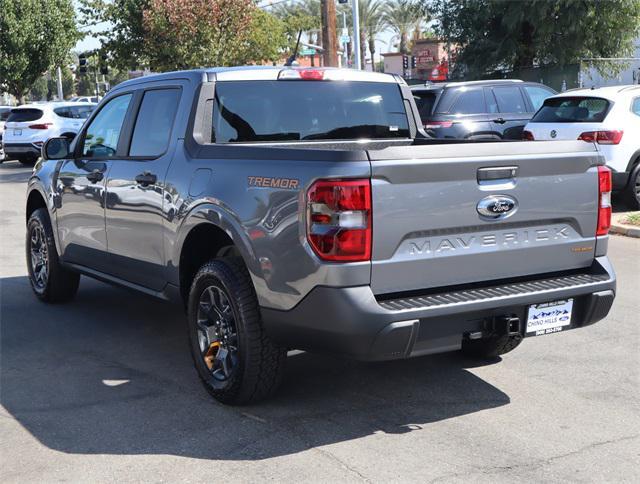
<point x="21" y="149"/>
<point x="352" y="322"/>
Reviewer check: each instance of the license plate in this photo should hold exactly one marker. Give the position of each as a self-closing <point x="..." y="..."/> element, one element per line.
<point x="549" y="317"/>
<point x="17" y="132"/>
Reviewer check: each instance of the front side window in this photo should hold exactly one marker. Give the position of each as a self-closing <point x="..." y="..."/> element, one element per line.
<point x="262" y="111"/>
<point x="537" y="95"/>
<point x="102" y="135"/>
<point x="154" y="122"/>
<point x="509" y="99"/>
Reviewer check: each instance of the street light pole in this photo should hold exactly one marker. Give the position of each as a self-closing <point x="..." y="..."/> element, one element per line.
<point x="356" y="35"/>
<point x="59" y="85"/>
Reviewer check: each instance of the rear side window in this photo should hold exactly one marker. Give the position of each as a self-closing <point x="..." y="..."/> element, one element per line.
<point x="154" y="122"/>
<point x="24" y="114"/>
<point x="74" y="112"/>
<point x="261" y="111"/>
<point x="425" y="101"/>
<point x="469" y="102"/>
<point x="578" y="109"/>
<point x="4" y="114"/>
<point x="537" y="95"/>
<point x="509" y="99"/>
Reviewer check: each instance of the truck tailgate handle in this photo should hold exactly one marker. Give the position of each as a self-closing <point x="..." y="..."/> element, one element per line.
<point x="497" y="173"/>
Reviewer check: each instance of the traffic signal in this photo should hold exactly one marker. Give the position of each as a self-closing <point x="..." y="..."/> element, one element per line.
<point x="413" y="61"/>
<point x="82" y="63"/>
<point x="405" y="61"/>
<point x="104" y="68"/>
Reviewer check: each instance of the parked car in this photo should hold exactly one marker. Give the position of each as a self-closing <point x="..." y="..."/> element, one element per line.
<point x="607" y="116"/>
<point x="85" y="99"/>
<point x="493" y="109"/>
<point x="30" y="125"/>
<point x="4" y="114"/>
<point x="305" y="209"/>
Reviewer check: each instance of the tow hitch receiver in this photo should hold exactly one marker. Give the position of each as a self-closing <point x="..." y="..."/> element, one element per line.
<point x="509" y="325"/>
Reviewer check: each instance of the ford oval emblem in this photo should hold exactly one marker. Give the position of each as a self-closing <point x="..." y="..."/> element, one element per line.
<point x="497" y="206"/>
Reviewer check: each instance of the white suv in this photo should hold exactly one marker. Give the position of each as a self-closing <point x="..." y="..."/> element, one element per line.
<point x="4" y="114"/>
<point x="609" y="117"/>
<point x="30" y="125"/>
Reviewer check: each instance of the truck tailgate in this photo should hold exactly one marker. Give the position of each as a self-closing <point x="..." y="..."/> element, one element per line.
<point x="428" y="230"/>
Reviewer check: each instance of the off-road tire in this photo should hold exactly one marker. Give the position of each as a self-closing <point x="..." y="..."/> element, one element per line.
<point x="62" y="284"/>
<point x="490" y="348"/>
<point x="260" y="363"/>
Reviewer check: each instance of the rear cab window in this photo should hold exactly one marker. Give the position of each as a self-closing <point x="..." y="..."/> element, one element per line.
<point x="264" y="111"/>
<point x="23" y="115"/>
<point x="574" y="109"/>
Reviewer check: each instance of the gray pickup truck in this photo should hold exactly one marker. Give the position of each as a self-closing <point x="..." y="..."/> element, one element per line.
<point x="291" y="208"/>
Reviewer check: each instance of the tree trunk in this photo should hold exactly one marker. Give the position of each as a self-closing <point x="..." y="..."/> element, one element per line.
<point x="403" y="42"/>
<point x="372" y="49"/>
<point x="526" y="54"/>
<point x="363" y="48"/>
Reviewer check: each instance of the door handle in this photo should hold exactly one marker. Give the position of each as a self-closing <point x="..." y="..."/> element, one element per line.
<point x="499" y="120"/>
<point x="145" y="179"/>
<point x="95" y="176"/>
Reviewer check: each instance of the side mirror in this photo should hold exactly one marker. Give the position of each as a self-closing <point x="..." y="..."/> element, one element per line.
<point x="56" y="148"/>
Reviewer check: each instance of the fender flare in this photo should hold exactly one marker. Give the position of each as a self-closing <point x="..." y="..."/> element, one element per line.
<point x="210" y="213"/>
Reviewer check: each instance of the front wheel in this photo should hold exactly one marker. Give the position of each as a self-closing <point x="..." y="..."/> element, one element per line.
<point x="633" y="189"/>
<point x="50" y="281"/>
<point x="235" y="359"/>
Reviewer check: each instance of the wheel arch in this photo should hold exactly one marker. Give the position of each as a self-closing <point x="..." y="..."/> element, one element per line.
<point x="208" y="232"/>
<point x="35" y="200"/>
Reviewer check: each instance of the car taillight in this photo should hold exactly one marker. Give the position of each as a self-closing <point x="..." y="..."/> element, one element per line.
<point x="611" y="137"/>
<point x="339" y="219"/>
<point x="604" y="200"/>
<point x="438" y="124"/>
<point x="40" y="126"/>
<point x="528" y="136"/>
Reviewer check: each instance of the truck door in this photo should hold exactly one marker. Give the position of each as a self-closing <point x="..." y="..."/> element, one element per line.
<point x="135" y="190"/>
<point x="80" y="187"/>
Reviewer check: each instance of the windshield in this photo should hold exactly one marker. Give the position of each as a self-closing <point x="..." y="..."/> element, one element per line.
<point x="577" y="109"/>
<point x="22" y="115"/>
<point x="250" y="111"/>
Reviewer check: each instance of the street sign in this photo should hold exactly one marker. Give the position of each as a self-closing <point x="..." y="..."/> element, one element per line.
<point x="308" y="51"/>
<point x="345" y="39"/>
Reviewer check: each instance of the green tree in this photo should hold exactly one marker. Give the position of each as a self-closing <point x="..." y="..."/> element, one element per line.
<point x="122" y="35"/>
<point x="35" y="35"/>
<point x="403" y="16"/>
<point x="492" y="34"/>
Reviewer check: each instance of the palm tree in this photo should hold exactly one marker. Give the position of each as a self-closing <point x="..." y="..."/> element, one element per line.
<point x="402" y="17"/>
<point x="372" y="22"/>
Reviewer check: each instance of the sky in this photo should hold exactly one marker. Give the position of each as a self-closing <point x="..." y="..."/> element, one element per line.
<point x="90" y="42"/>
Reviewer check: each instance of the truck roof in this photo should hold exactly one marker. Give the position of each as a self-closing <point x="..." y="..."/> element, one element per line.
<point x="259" y="73"/>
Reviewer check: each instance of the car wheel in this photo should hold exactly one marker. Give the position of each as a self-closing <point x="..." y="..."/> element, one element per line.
<point x="50" y="281"/>
<point x="26" y="160"/>
<point x="633" y="189"/>
<point x="235" y="359"/>
<point x="491" y="347"/>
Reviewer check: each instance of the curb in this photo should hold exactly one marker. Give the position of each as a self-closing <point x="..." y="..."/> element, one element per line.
<point x="627" y="230"/>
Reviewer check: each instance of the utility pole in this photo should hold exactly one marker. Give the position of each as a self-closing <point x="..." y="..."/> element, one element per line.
<point x="356" y="35"/>
<point x="59" y="85"/>
<point x="329" y="40"/>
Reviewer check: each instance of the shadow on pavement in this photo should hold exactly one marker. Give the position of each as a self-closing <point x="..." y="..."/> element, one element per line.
<point x="110" y="373"/>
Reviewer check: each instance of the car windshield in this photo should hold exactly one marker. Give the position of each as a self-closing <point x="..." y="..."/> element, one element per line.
<point x="578" y="109"/>
<point x="24" y="114"/>
<point x="254" y="111"/>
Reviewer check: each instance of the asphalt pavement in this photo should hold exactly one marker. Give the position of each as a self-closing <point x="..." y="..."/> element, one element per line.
<point x="103" y="390"/>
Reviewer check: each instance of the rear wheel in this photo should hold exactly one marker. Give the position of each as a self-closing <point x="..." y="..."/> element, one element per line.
<point x="235" y="359"/>
<point x="50" y="281"/>
<point x="633" y="189"/>
<point x="491" y="347"/>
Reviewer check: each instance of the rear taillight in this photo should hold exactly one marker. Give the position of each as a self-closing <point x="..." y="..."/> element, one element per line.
<point x="528" y="136"/>
<point x="438" y="124"/>
<point x="339" y="219"/>
<point x="40" y="126"/>
<point x="611" y="137"/>
<point x="604" y="200"/>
